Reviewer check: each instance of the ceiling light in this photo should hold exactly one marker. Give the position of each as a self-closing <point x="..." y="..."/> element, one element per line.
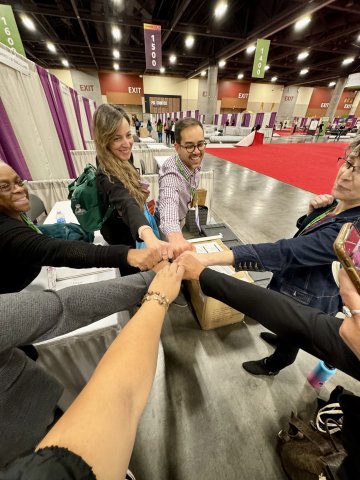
<point x="65" y="62"/>
<point x="273" y="79"/>
<point x="28" y="23"/>
<point x="203" y="73"/>
<point x="222" y="63"/>
<point x="116" y="53"/>
<point x="240" y="76"/>
<point x="172" y="58"/>
<point x="220" y="9"/>
<point x="116" y="66"/>
<point x="348" y="60"/>
<point x="304" y="71"/>
<point x="332" y="84"/>
<point x="267" y="67"/>
<point x="162" y="70"/>
<point x="303" y="55"/>
<point x="302" y="23"/>
<point x="51" y="47"/>
<point x="250" y="49"/>
<point x="189" y="41"/>
<point x="115" y="31"/>
<point x="358" y="39"/>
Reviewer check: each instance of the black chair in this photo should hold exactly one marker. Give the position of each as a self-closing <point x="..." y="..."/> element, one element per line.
<point x="142" y="167"/>
<point x="37" y="207"/>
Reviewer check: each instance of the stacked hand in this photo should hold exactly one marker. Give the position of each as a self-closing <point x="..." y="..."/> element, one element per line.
<point x="164" y="249"/>
<point x="179" y="244"/>
<point x="144" y="259"/>
<point x="167" y="281"/>
<point x="191" y="264"/>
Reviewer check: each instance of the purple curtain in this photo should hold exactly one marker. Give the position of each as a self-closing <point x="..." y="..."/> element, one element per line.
<point x="216" y="119"/>
<point x="75" y="100"/>
<point x="10" y="151"/>
<point x="303" y="122"/>
<point x="188" y="113"/>
<point x="88" y="114"/>
<point x="197" y="114"/>
<point x="245" y="120"/>
<point x="58" y="115"/>
<point x="272" y="119"/>
<point x="259" y="119"/>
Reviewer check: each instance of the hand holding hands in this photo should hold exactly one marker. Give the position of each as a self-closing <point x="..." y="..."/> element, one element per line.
<point x="167" y="281"/>
<point x="179" y="244"/>
<point x="320" y="201"/>
<point x="191" y="264"/>
<point x="144" y="258"/>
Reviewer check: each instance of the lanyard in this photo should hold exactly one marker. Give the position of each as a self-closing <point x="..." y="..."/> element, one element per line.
<point x="192" y="190"/>
<point x="318" y="218"/>
<point x="28" y="222"/>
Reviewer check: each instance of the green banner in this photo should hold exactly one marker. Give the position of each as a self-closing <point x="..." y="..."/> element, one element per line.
<point x="261" y="54"/>
<point x="9" y="33"/>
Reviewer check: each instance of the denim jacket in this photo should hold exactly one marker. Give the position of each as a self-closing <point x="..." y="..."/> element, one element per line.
<point x="301" y="266"/>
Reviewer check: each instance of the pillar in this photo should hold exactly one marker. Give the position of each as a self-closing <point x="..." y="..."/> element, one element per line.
<point x="212" y="89"/>
<point x="335" y="98"/>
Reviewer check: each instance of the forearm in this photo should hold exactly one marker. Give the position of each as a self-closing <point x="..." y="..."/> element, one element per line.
<point x="49" y="314"/>
<point x="225" y="257"/>
<point x="124" y="378"/>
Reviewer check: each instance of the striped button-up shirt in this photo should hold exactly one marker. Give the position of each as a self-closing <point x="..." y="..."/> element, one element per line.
<point x="175" y="194"/>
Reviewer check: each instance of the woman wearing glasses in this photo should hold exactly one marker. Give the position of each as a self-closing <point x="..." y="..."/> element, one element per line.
<point x="178" y="180"/>
<point x="302" y="266"/>
<point x="24" y="250"/>
<point x="120" y="185"/>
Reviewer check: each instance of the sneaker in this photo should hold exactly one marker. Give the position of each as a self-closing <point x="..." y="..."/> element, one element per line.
<point x="258" y="367"/>
<point x="270" y="338"/>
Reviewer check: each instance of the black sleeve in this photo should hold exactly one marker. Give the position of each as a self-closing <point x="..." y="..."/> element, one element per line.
<point x="51" y="462"/>
<point x="32" y="248"/>
<point x="115" y="194"/>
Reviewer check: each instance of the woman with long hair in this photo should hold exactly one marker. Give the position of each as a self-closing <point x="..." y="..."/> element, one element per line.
<point x="119" y="183"/>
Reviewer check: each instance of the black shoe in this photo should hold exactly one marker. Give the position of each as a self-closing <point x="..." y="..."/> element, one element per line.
<point x="270" y="338"/>
<point x="258" y="367"/>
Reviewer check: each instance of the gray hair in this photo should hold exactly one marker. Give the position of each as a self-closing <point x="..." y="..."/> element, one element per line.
<point x="354" y="147"/>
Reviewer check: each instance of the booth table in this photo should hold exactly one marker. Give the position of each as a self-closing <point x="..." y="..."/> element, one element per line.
<point x="160" y="160"/>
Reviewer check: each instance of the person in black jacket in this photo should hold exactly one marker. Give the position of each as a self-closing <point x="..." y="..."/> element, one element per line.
<point x="24" y="250"/>
<point x="119" y="183"/>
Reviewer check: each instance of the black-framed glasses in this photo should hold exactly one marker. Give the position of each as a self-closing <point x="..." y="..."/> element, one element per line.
<point x="349" y="165"/>
<point x="6" y="187"/>
<point x="191" y="148"/>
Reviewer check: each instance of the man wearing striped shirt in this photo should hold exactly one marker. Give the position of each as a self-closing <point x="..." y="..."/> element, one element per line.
<point x="178" y="180"/>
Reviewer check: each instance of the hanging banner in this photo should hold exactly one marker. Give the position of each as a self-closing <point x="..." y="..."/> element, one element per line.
<point x="261" y="55"/>
<point x="152" y="40"/>
<point x="9" y="33"/>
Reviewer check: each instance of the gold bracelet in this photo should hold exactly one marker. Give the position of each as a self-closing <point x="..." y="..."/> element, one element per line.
<point x="159" y="297"/>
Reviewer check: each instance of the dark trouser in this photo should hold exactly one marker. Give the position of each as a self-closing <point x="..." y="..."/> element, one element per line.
<point x="160" y="137"/>
<point x="167" y="133"/>
<point x="301" y="327"/>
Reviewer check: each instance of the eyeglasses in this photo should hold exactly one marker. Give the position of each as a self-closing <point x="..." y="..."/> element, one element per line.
<point x="191" y="148"/>
<point x="349" y="165"/>
<point x="7" y="187"/>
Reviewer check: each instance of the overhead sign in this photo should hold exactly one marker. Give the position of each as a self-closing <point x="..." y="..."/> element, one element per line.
<point x="261" y="55"/>
<point x="353" y="81"/>
<point x="9" y="33"/>
<point x="152" y="40"/>
<point x="13" y="60"/>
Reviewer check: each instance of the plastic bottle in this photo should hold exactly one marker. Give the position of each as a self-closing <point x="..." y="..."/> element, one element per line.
<point x="60" y="217"/>
<point x="320" y="374"/>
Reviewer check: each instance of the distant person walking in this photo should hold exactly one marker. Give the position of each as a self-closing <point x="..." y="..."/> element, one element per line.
<point x="159" y="129"/>
<point x="149" y="127"/>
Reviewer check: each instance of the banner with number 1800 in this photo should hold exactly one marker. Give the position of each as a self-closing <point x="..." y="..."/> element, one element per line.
<point x="152" y="39"/>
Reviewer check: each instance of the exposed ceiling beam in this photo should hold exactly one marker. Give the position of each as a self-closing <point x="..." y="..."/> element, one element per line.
<point x="73" y="3"/>
<point x="176" y="20"/>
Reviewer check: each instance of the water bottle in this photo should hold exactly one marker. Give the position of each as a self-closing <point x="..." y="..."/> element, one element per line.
<point x="60" y="217"/>
<point x="320" y="374"/>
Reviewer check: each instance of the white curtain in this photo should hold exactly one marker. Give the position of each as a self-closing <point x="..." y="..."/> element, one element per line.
<point x="81" y="157"/>
<point x="71" y="116"/>
<point x="147" y="155"/>
<point x="50" y="191"/>
<point x="28" y="111"/>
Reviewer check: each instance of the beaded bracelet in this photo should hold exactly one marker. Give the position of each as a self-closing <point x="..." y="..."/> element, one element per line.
<point x="160" y="297"/>
<point x="348" y="312"/>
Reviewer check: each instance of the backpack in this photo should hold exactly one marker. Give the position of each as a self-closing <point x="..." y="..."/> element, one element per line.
<point x="86" y="203"/>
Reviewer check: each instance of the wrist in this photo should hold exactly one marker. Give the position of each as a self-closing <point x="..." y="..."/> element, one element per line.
<point x="160" y="298"/>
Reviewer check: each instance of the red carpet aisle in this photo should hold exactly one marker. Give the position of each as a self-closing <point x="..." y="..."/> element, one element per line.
<point x="309" y="166"/>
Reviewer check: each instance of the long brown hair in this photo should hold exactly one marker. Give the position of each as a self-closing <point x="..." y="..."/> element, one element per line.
<point x="105" y="124"/>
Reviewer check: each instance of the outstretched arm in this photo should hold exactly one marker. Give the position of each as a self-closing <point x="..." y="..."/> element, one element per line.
<point x="101" y="424"/>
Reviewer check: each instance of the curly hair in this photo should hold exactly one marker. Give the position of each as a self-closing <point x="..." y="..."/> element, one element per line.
<point x="105" y="124"/>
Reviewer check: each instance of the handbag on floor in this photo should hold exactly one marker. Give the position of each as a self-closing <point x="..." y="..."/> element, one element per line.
<point x="307" y="454"/>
